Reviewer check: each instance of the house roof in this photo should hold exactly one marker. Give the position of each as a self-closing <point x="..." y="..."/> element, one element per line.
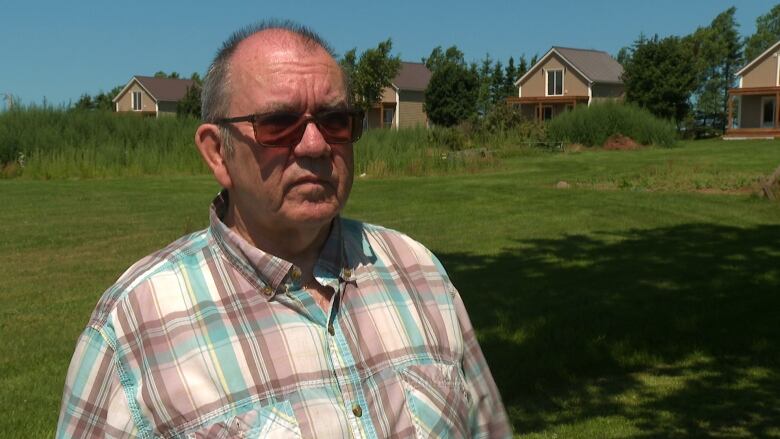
<point x="412" y="76"/>
<point x="595" y="66"/>
<point x="160" y="89"/>
<point x="759" y="58"/>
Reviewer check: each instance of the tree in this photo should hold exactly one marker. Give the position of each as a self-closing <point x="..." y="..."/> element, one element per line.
<point x="439" y="57"/>
<point x="371" y="73"/>
<point x="484" y="98"/>
<point x="717" y="50"/>
<point x="522" y="68"/>
<point x="767" y="33"/>
<point x="84" y="102"/>
<point x="510" y="77"/>
<point x="497" y="85"/>
<point x="451" y="96"/>
<point x="190" y="104"/>
<point x="161" y="74"/>
<point x="660" y="75"/>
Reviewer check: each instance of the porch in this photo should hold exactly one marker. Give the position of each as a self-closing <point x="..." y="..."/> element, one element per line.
<point x="753" y="113"/>
<point x="541" y="108"/>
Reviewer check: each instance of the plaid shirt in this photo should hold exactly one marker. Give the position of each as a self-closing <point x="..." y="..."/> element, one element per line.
<point x="211" y="337"/>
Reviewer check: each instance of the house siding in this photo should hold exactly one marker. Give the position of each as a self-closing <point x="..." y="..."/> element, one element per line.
<point x="411" y="109"/>
<point x="536" y="84"/>
<point x="167" y="108"/>
<point x="388" y="95"/>
<point x="125" y="102"/>
<point x="608" y="92"/>
<point x="763" y="74"/>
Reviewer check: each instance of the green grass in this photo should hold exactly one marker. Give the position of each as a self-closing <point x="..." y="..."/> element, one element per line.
<point x="607" y="310"/>
<point x="593" y="125"/>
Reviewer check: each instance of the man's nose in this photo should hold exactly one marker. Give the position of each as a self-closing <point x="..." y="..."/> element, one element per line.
<point x="313" y="143"/>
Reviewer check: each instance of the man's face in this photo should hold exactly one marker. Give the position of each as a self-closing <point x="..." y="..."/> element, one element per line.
<point x="306" y="185"/>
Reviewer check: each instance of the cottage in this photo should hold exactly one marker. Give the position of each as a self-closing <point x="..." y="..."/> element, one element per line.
<point x="401" y="105"/>
<point x="565" y="78"/>
<point x="753" y="104"/>
<point x="152" y="96"/>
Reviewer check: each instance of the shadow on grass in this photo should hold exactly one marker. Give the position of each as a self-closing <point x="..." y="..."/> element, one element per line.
<point x="575" y="328"/>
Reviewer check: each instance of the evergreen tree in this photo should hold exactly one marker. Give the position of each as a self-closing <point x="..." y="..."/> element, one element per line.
<point x="509" y="78"/>
<point x="439" y="57"/>
<point x="660" y="75"/>
<point x="497" y="84"/>
<point x="718" y="52"/>
<point x="522" y="68"/>
<point x="484" y="97"/>
<point x="451" y="95"/>
<point x="767" y="33"/>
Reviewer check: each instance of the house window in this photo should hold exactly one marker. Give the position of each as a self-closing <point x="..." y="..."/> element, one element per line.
<point x="554" y="82"/>
<point x="388" y="121"/>
<point x="767" y="112"/>
<point x="137" y="105"/>
<point x="547" y="112"/>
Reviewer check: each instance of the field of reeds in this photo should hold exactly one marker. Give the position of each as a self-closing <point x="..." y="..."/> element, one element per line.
<point x="54" y="143"/>
<point x="48" y="143"/>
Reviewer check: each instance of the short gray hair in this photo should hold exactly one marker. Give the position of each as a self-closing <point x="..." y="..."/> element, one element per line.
<point x="215" y="94"/>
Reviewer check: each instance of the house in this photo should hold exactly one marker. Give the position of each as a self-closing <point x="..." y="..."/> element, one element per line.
<point x="151" y="96"/>
<point x="565" y="78"/>
<point x="753" y="104"/>
<point x="401" y="105"/>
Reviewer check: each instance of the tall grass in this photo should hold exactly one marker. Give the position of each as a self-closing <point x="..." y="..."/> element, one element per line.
<point x="49" y="143"/>
<point x="55" y="143"/>
<point x="592" y="126"/>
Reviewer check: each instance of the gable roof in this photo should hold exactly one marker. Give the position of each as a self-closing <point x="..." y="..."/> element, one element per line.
<point x="759" y="58"/>
<point x="160" y="89"/>
<point x="595" y="66"/>
<point x="412" y="76"/>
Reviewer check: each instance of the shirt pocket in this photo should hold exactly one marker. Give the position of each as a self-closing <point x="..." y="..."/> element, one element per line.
<point x="438" y="400"/>
<point x="275" y="421"/>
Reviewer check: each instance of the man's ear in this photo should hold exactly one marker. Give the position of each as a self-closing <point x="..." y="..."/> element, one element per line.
<point x="212" y="148"/>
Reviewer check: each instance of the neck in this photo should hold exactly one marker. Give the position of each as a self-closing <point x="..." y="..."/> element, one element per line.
<point x="299" y="245"/>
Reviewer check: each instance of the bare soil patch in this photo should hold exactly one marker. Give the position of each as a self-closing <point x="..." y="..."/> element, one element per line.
<point x="619" y="142"/>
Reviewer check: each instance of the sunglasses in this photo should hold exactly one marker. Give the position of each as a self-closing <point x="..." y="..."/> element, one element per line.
<point x="284" y="129"/>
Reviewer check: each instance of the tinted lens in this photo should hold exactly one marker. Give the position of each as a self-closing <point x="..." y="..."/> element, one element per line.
<point x="279" y="129"/>
<point x="336" y="126"/>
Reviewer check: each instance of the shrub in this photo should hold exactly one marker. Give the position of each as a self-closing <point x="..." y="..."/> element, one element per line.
<point x="592" y="126"/>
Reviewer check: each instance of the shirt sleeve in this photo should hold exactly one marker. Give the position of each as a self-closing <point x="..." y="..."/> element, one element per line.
<point x="94" y="403"/>
<point x="489" y="418"/>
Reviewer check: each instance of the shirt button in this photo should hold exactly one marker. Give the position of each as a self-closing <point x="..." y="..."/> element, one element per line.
<point x="357" y="411"/>
<point x="295" y="273"/>
<point x="267" y="291"/>
<point x="347" y="273"/>
<point x="331" y="329"/>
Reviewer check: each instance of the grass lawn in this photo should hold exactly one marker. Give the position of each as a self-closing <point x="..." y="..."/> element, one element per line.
<point x="641" y="302"/>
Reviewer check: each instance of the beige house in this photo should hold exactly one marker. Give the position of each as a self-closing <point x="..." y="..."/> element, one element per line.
<point x="564" y="78"/>
<point x="402" y="103"/>
<point x="753" y="104"/>
<point x="151" y="96"/>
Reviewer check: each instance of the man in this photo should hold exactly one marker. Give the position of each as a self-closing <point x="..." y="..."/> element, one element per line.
<point x="281" y="319"/>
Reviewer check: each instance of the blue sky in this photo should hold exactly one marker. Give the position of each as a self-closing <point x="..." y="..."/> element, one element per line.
<point x="59" y="50"/>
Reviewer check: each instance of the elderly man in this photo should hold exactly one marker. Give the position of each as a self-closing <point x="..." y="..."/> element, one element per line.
<point x="281" y="319"/>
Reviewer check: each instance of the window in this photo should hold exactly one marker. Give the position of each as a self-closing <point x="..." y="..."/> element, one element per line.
<point x="767" y="112"/>
<point x="554" y="82"/>
<point x="389" y="113"/>
<point x="137" y="106"/>
<point x="547" y="112"/>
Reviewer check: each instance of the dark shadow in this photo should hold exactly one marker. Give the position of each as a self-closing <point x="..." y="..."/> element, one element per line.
<point x="569" y="324"/>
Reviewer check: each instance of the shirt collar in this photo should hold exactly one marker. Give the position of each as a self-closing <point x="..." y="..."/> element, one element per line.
<point x="274" y="273"/>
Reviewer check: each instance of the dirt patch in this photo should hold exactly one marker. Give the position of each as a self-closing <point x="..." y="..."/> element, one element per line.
<point x="619" y="142"/>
